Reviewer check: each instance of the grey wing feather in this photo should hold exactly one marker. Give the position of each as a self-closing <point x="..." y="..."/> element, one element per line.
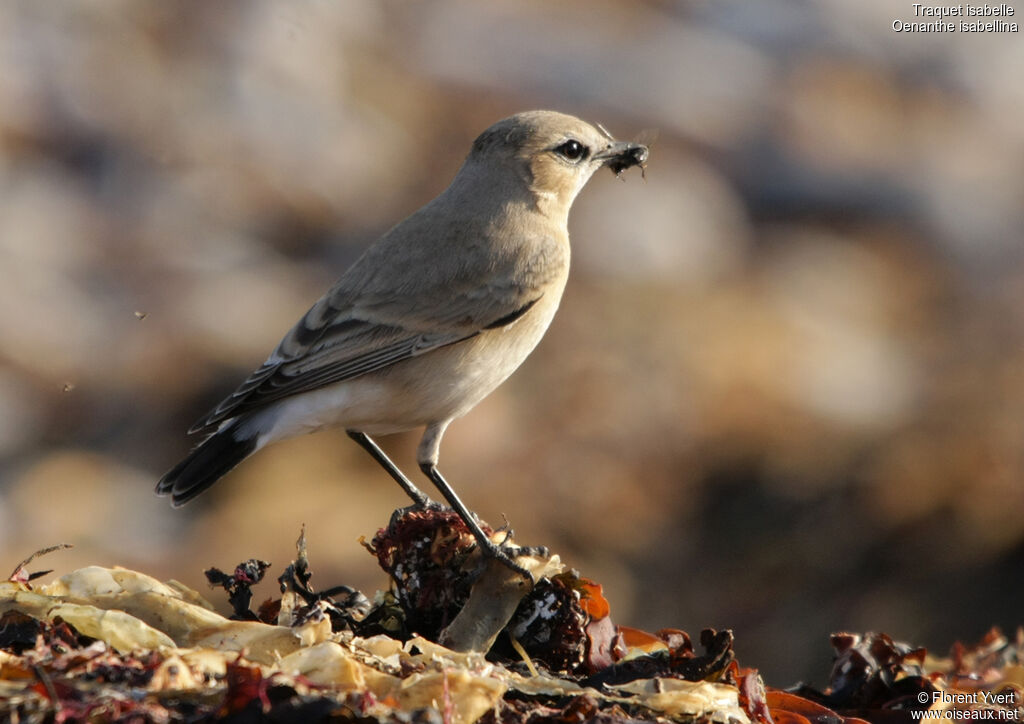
<point x="355" y="348"/>
<point x="368" y="321"/>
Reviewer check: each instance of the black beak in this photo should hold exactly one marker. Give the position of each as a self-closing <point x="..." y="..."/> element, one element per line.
<point x="620" y="155"/>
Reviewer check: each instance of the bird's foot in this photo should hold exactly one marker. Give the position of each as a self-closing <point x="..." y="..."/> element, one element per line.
<point x="508" y="554"/>
<point x="420" y="506"/>
<point x="515" y="551"/>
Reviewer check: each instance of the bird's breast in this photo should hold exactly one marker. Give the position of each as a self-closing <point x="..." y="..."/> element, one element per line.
<point x="466" y="372"/>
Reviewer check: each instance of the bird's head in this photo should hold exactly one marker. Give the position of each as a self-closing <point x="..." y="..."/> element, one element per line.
<point x="553" y="153"/>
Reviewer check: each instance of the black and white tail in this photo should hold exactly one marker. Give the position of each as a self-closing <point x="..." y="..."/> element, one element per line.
<point x="206" y="464"/>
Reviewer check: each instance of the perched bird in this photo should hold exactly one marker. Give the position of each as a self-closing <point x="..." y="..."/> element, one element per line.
<point x="431" y="318"/>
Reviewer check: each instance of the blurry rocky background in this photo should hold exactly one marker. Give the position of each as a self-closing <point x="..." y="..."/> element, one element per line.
<point x="785" y="393"/>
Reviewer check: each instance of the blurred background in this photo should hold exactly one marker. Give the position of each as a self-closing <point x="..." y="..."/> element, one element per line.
<point x="784" y="393"/>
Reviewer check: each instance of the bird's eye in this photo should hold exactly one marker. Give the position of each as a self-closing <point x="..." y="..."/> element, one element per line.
<point x="572" y="150"/>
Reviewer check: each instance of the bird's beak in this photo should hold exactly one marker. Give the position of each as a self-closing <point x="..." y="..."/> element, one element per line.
<point x="620" y="155"/>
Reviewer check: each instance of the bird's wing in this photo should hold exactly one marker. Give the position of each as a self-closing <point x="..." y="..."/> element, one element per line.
<point x="348" y="334"/>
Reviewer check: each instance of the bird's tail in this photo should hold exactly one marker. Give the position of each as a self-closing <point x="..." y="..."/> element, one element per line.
<point x="206" y="464"/>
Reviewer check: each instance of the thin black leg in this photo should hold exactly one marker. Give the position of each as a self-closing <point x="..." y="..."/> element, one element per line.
<point x="419" y="498"/>
<point x="489" y="547"/>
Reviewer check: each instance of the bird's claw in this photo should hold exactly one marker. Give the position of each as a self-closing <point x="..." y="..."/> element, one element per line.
<point x="508" y="554"/>
<point x="420" y="506"/>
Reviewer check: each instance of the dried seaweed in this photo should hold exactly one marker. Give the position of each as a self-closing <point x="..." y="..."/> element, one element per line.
<point x="114" y="645"/>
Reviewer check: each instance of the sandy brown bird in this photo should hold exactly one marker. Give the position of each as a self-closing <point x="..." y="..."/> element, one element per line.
<point x="431" y="318"/>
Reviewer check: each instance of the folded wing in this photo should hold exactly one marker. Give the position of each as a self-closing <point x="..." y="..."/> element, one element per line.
<point x="332" y="344"/>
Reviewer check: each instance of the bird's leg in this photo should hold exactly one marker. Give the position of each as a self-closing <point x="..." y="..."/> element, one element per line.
<point x="420" y="499"/>
<point x="428" y="454"/>
<point x="504" y="553"/>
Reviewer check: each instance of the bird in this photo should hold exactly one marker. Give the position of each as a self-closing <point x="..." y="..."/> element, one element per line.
<point x="430" y="319"/>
